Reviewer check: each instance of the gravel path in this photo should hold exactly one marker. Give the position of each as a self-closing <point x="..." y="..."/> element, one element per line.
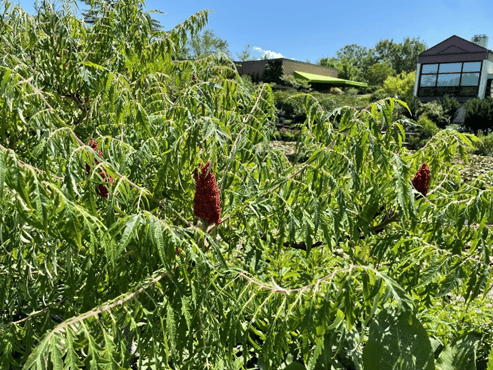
<point x="478" y="165"/>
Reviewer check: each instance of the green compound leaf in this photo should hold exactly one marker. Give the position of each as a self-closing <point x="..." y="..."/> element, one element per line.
<point x="490" y="361"/>
<point x="461" y="353"/>
<point x="397" y="343"/>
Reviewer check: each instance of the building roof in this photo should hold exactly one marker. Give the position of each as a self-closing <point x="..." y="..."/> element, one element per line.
<point x="314" y="78"/>
<point x="454" y="49"/>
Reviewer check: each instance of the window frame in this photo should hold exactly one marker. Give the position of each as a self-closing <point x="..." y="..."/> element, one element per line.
<point x="455" y="90"/>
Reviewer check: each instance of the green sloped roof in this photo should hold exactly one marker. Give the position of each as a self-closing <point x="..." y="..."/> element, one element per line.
<point x="311" y="77"/>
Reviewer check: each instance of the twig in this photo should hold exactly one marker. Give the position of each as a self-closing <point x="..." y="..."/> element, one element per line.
<point x="105" y="308"/>
<point x="24" y="164"/>
<point x="143" y="190"/>
<point x="384" y="223"/>
<point x="294" y="174"/>
<point x="277" y="289"/>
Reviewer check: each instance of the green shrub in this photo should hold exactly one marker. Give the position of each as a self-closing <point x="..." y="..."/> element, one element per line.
<point x="428" y="127"/>
<point x="336" y="91"/>
<point x="288" y="135"/>
<point x="379" y="72"/>
<point x="456" y="127"/>
<point x="352" y="91"/>
<point x="378" y="94"/>
<point x="485" y="147"/>
<point x="289" y="106"/>
<point x="401" y="86"/>
<point x="479" y="115"/>
<point x="434" y="111"/>
<point x="450" y="107"/>
<point x="273" y="72"/>
<point x="368" y="89"/>
<point x="425" y="129"/>
<point x="414" y="105"/>
<point x="330" y="102"/>
<point x="293" y="108"/>
<point x="295" y="83"/>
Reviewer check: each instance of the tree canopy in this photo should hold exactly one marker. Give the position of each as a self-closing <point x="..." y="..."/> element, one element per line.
<point x="355" y="61"/>
<point x="379" y="72"/>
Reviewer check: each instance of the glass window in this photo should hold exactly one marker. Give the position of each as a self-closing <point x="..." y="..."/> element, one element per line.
<point x="426" y="91"/>
<point x="472" y="67"/>
<point x="430" y="68"/>
<point x="446" y="90"/>
<point x="470" y="79"/>
<point x="428" y="80"/>
<point x="449" y="79"/>
<point x="468" y="91"/>
<point x="450" y="67"/>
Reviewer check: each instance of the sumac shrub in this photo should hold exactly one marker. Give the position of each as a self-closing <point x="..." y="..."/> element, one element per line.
<point x="422" y="179"/>
<point x="206" y="203"/>
<point x="101" y="189"/>
<point x="329" y="261"/>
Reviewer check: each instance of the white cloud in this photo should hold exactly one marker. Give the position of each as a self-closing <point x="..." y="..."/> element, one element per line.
<point x="268" y="53"/>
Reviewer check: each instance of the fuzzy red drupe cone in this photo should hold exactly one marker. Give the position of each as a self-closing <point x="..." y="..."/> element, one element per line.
<point x="93" y="144"/>
<point x="101" y="189"/>
<point x="206" y="203"/>
<point x="422" y="179"/>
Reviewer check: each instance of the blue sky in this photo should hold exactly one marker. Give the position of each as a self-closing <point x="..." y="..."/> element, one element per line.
<point x="311" y="29"/>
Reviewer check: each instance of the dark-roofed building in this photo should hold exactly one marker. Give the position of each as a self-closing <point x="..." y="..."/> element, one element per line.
<point x="455" y="67"/>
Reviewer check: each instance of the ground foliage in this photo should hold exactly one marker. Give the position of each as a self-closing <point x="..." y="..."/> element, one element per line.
<point x="311" y="263"/>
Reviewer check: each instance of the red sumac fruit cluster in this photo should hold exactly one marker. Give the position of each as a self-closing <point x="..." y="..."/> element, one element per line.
<point x="422" y="179"/>
<point x="101" y="189"/>
<point x="206" y="203"/>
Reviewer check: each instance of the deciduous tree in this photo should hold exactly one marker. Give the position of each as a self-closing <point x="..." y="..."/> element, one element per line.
<point x="378" y="73"/>
<point x="401" y="86"/>
<point x="402" y="56"/>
